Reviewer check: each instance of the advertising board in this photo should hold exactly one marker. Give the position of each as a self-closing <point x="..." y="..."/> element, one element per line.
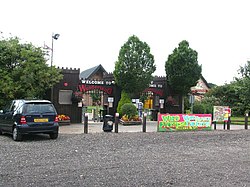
<point x="184" y="122"/>
<point x="221" y="113"/>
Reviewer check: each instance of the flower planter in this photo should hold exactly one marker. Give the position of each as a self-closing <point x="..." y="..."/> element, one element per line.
<point x="130" y="122"/>
<point x="64" y="122"/>
<point x="63" y="119"/>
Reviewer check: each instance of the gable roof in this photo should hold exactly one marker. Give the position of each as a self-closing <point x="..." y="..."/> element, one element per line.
<point x="204" y="80"/>
<point x="201" y="87"/>
<point x="86" y="74"/>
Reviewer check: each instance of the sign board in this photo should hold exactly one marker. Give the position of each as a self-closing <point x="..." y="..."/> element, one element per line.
<point x="110" y="99"/>
<point x="191" y="99"/>
<point x="227" y="113"/>
<point x="221" y="113"/>
<point x="184" y="122"/>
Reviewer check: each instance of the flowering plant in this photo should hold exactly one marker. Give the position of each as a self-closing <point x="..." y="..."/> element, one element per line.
<point x="62" y="117"/>
<point x="76" y="96"/>
<point x="133" y="118"/>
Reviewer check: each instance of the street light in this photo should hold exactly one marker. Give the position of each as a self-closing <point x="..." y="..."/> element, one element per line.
<point x="54" y="37"/>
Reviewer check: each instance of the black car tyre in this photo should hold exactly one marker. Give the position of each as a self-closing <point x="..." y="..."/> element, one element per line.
<point x="16" y="135"/>
<point x="53" y="135"/>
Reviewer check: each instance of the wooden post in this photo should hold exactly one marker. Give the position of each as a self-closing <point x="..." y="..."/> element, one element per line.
<point x="246" y="121"/>
<point x="86" y="123"/>
<point x="116" y="122"/>
<point x="228" y="123"/>
<point x="144" y="122"/>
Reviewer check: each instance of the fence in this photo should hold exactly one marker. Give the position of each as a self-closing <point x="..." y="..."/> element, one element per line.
<point x="229" y="122"/>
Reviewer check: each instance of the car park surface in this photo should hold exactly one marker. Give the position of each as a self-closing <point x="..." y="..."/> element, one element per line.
<point x="211" y="158"/>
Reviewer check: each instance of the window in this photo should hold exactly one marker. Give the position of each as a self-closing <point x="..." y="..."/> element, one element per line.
<point x="157" y="100"/>
<point x="65" y="97"/>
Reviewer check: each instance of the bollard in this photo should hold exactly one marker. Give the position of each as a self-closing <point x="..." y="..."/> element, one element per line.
<point x="228" y="123"/>
<point x="214" y="125"/>
<point x="116" y="122"/>
<point x="246" y="121"/>
<point x="144" y="122"/>
<point x="86" y="124"/>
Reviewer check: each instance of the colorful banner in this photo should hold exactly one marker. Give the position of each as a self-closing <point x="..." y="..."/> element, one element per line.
<point x="221" y="113"/>
<point x="184" y="122"/>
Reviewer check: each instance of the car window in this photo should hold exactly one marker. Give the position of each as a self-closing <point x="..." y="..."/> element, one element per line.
<point x="39" y="108"/>
<point x="7" y="108"/>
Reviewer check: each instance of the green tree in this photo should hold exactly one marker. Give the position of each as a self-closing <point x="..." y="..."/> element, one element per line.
<point x="244" y="82"/>
<point x="235" y="94"/>
<point x="135" y="66"/>
<point x="182" y="69"/>
<point x="23" y="71"/>
<point x="229" y="95"/>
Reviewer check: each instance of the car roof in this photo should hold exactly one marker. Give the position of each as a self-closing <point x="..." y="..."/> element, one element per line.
<point x="33" y="101"/>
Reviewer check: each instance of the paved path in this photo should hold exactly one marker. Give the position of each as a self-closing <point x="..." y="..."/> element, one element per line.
<point x="96" y="127"/>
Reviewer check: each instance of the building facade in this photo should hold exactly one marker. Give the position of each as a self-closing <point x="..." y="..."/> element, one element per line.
<point x="95" y="87"/>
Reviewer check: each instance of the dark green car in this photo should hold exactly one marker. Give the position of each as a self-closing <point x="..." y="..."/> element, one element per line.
<point x="21" y="117"/>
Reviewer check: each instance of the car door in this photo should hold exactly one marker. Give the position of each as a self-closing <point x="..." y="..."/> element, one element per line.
<point x="2" y="118"/>
<point x="5" y="116"/>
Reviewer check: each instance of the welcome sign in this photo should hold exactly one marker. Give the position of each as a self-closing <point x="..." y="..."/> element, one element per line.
<point x="184" y="122"/>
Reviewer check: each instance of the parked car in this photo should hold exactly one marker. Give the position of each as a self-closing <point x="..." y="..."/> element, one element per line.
<point x="21" y="117"/>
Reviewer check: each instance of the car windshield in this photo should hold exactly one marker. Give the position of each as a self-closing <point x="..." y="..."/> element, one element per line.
<point x="39" y="108"/>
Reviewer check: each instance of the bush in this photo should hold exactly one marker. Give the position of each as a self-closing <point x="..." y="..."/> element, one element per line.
<point x="198" y="108"/>
<point x="202" y="108"/>
<point x="129" y="109"/>
<point x="124" y="99"/>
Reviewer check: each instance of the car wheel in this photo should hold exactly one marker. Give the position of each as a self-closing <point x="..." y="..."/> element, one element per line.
<point x="16" y="135"/>
<point x="53" y="135"/>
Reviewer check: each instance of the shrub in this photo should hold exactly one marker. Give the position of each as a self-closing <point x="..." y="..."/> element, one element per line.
<point x="129" y="110"/>
<point x="124" y="99"/>
<point x="198" y="108"/>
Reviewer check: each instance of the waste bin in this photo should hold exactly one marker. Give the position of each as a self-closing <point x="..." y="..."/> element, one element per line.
<point x="154" y="114"/>
<point x="108" y="123"/>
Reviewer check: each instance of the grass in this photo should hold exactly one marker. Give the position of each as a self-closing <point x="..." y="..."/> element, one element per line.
<point x="237" y="120"/>
<point x="90" y="108"/>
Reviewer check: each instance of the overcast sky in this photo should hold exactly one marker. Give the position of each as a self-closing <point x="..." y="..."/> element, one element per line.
<point x="92" y="32"/>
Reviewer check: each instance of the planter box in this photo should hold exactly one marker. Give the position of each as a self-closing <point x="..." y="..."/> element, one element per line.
<point x="64" y="122"/>
<point x="130" y="122"/>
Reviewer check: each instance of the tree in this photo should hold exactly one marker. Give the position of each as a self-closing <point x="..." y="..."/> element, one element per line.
<point x="235" y="94"/>
<point x="135" y="65"/>
<point x="244" y="86"/>
<point x="23" y="71"/>
<point x="182" y="69"/>
<point x="228" y="95"/>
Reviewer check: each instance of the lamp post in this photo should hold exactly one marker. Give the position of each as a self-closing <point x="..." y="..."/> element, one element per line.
<point x="54" y="37"/>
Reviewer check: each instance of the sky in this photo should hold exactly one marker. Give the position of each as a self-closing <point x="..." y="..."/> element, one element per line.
<point x="92" y="32"/>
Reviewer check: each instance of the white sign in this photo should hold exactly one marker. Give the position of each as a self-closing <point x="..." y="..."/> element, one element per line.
<point x="79" y="104"/>
<point x="161" y="101"/>
<point x="110" y="99"/>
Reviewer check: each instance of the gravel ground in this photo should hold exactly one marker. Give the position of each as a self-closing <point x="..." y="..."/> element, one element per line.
<point x="212" y="158"/>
